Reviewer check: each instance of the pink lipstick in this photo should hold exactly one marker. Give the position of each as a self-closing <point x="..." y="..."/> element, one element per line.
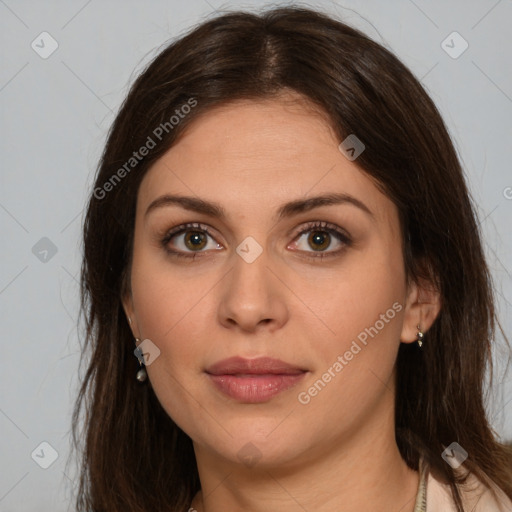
<point x="254" y="380"/>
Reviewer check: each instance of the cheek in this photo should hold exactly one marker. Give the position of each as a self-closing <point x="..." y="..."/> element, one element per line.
<point x="163" y="293"/>
<point x="361" y="303"/>
<point x="354" y="365"/>
<point x="172" y="317"/>
<point x="174" y="309"/>
<point x="363" y="289"/>
<point x="171" y="312"/>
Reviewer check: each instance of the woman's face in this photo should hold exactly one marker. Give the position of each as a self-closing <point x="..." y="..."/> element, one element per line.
<point x="268" y="269"/>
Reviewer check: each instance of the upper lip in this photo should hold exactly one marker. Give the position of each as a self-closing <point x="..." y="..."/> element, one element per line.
<point x="258" y="366"/>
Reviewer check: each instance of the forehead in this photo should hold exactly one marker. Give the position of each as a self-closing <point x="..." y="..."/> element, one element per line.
<point x="285" y="125"/>
<point x="250" y="153"/>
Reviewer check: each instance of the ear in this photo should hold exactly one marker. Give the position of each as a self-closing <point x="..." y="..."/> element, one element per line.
<point x="422" y="306"/>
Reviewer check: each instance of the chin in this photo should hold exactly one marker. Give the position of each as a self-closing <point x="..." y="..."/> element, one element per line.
<point x="259" y="443"/>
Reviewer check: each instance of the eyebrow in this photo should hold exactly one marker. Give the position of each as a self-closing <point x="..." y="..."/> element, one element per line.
<point x="287" y="210"/>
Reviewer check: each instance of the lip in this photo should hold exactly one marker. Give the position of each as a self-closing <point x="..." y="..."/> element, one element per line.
<point x="258" y="366"/>
<point x="254" y="380"/>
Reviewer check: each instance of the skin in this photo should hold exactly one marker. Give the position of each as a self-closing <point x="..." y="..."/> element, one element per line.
<point x="337" y="452"/>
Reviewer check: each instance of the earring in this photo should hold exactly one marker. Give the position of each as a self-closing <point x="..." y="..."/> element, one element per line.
<point x="142" y="374"/>
<point x="420" y="337"/>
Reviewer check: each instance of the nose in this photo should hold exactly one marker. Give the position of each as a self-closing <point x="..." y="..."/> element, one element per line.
<point x="252" y="297"/>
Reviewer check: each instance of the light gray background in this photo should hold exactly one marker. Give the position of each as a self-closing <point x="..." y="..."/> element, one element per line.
<point x="55" y="114"/>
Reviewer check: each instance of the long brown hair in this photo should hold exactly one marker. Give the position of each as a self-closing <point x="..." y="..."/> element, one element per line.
<point x="135" y="458"/>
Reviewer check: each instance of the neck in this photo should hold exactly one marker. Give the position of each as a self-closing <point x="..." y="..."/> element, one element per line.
<point x="348" y="475"/>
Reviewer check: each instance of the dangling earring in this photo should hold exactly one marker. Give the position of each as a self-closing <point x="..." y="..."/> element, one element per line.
<point x="420" y="337"/>
<point x="142" y="374"/>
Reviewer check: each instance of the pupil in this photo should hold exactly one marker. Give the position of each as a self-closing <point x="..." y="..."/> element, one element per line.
<point x="320" y="239"/>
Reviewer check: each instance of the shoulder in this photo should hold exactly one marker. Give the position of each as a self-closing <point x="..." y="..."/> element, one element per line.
<point x="475" y="496"/>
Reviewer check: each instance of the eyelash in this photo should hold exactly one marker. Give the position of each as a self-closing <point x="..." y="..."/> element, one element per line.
<point x="321" y="226"/>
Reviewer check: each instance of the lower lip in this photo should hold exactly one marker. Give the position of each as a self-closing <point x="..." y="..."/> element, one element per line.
<point x="255" y="388"/>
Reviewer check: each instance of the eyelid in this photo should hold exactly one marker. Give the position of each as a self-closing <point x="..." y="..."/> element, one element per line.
<point x="187" y="226"/>
<point x="321" y="225"/>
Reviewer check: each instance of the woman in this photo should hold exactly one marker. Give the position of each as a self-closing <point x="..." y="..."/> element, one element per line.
<point x="284" y="287"/>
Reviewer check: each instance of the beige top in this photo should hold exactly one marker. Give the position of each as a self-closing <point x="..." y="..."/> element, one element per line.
<point x="434" y="496"/>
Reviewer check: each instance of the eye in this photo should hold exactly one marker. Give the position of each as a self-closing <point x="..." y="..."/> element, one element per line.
<point x="189" y="238"/>
<point x="320" y="236"/>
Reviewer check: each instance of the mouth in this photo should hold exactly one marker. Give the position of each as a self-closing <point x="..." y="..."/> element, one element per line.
<point x="254" y="380"/>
